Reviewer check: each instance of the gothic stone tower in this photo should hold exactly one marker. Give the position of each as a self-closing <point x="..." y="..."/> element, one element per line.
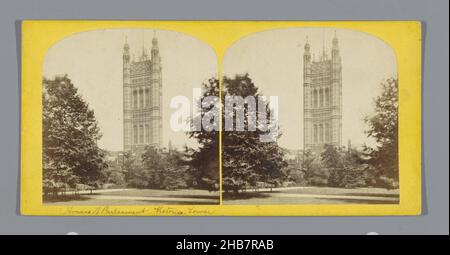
<point x="142" y="84"/>
<point x="322" y="103"/>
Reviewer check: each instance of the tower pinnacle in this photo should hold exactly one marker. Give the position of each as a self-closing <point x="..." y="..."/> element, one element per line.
<point x="126" y="52"/>
<point x="307" y="47"/>
<point x="155" y="42"/>
<point x="335" y="46"/>
<point x="126" y="46"/>
<point x="335" y="39"/>
<point x="155" y="49"/>
<point x="144" y="52"/>
<point x="307" y="53"/>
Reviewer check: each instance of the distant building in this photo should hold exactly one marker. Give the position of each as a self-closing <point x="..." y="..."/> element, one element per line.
<point x="322" y="89"/>
<point x="142" y="92"/>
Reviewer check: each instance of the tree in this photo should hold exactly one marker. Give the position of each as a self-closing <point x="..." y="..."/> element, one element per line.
<point x="204" y="161"/>
<point x="332" y="160"/>
<point x="245" y="158"/>
<point x="128" y="164"/>
<point x="307" y="161"/>
<point x="176" y="174"/>
<point x="345" y="168"/>
<point x="355" y="169"/>
<point x="383" y="126"/>
<point x="159" y="170"/>
<point x="70" y="135"/>
<point x="331" y="157"/>
<point x="153" y="167"/>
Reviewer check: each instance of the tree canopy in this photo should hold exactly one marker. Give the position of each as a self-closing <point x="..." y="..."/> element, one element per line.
<point x="383" y="126"/>
<point x="70" y="134"/>
<point x="246" y="159"/>
<point x="204" y="161"/>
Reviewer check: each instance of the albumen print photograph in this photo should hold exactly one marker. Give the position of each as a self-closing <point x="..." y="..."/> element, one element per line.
<point x="299" y="116"/>
<point x="108" y="96"/>
<point x="332" y="96"/>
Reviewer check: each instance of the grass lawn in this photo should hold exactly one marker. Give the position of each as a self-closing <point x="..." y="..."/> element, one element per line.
<point x="315" y="195"/>
<point x="344" y="191"/>
<point x="192" y="193"/>
<point x="139" y="197"/>
<point x="290" y="195"/>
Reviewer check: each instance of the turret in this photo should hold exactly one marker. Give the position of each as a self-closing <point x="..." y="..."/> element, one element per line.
<point x="126" y="96"/>
<point x="335" y="48"/>
<point x="307" y="54"/>
<point x="307" y="94"/>
<point x="307" y="64"/>
<point x="336" y="59"/>
<point x="156" y="61"/>
<point x="336" y="89"/>
<point x="156" y="90"/>
<point x="155" y="51"/>
<point x="126" y="63"/>
<point x="126" y="52"/>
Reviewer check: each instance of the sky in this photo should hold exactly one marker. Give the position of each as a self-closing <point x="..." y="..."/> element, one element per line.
<point x="93" y="61"/>
<point x="274" y="61"/>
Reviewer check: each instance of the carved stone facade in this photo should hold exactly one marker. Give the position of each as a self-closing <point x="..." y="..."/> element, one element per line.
<point x="142" y="92"/>
<point x="322" y="105"/>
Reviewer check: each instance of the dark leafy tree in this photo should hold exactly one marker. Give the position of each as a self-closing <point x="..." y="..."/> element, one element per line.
<point x="307" y="161"/>
<point x="346" y="168"/>
<point x="176" y="170"/>
<point x="246" y="159"/>
<point x="331" y="157"/>
<point x="70" y="134"/>
<point x="204" y="161"/>
<point x="332" y="160"/>
<point x="153" y="167"/>
<point x="355" y="169"/>
<point x="315" y="173"/>
<point x="159" y="170"/>
<point x="383" y="126"/>
<point x="128" y="164"/>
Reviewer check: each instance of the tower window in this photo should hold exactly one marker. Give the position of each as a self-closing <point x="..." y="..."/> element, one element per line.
<point x="141" y="98"/>
<point x="315" y="133"/>
<point x="135" y="101"/>
<point x="327" y="97"/>
<point x="155" y="95"/>
<point x="147" y="133"/>
<point x="141" y="134"/>
<point x="320" y="133"/>
<point x="321" y="97"/>
<point x="155" y="131"/>
<point x="135" y="134"/>
<point x="315" y="98"/>
<point x="147" y="97"/>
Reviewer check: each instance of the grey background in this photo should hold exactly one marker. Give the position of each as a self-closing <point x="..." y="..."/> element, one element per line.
<point x="433" y="14"/>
